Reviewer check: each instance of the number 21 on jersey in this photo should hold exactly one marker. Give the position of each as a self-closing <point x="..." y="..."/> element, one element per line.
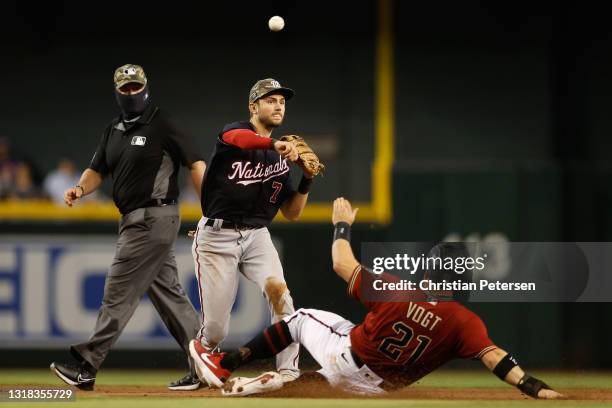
<point x="394" y="347"/>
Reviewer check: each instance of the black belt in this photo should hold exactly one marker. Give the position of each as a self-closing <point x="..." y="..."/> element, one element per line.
<point x="356" y="359"/>
<point x="231" y="225"/>
<point x="160" y="202"/>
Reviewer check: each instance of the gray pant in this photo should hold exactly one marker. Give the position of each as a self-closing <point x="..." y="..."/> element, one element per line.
<point x="144" y="262"/>
<point x="220" y="254"/>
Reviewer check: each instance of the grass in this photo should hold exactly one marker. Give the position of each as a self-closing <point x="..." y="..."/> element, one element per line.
<point x="284" y="403"/>
<point x="442" y="378"/>
<point x="481" y="378"/>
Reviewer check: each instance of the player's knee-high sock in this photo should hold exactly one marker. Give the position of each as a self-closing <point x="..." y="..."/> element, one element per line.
<point x="270" y="342"/>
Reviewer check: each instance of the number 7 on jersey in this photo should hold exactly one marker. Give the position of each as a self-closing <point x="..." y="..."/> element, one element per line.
<point x="277" y="188"/>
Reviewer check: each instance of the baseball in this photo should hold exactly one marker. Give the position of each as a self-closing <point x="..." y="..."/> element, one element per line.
<point x="276" y="23"/>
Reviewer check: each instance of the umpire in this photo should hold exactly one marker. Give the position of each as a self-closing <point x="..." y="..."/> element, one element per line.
<point x="142" y="151"/>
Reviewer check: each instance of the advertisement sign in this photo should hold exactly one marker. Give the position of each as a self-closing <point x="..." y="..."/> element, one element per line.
<point x="51" y="288"/>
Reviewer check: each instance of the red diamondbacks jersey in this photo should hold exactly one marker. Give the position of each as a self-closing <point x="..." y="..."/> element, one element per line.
<point x="404" y="341"/>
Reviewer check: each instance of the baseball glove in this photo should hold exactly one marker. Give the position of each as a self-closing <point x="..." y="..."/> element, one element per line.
<point x="308" y="160"/>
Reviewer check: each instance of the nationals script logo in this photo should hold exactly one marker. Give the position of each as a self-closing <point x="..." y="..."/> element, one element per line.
<point x="246" y="173"/>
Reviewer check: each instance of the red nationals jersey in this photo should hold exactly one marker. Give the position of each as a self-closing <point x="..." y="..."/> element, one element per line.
<point x="403" y="341"/>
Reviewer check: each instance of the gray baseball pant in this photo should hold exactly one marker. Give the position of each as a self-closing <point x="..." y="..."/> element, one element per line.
<point x="219" y="255"/>
<point x="144" y="263"/>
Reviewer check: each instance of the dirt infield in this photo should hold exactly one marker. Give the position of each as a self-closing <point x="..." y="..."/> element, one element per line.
<point x="323" y="391"/>
<point x="314" y="387"/>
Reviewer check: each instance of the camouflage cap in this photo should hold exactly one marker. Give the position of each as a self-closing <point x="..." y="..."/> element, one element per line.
<point x="267" y="86"/>
<point x="129" y="73"/>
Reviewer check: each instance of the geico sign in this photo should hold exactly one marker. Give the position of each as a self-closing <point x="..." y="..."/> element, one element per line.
<point x="52" y="290"/>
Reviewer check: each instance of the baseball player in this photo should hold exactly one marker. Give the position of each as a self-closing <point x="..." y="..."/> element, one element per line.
<point x="143" y="152"/>
<point x="246" y="183"/>
<point x="398" y="342"/>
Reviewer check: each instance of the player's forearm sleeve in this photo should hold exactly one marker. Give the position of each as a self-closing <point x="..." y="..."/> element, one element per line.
<point x="246" y="139"/>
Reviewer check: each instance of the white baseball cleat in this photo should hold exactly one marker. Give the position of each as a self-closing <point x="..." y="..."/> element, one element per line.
<point x="242" y="386"/>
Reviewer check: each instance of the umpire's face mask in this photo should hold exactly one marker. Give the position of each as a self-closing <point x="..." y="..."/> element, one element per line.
<point x="132" y="104"/>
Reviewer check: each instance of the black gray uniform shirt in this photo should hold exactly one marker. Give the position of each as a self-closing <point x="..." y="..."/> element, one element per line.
<point x="246" y="187"/>
<point x="143" y="158"/>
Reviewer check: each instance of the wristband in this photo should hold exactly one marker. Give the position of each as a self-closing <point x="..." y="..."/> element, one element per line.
<point x="82" y="189"/>
<point x="504" y="366"/>
<point x="342" y="230"/>
<point x="305" y="184"/>
<point x="531" y="385"/>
